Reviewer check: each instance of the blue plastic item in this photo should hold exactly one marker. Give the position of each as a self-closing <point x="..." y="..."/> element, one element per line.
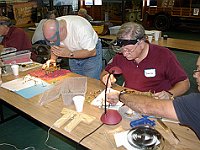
<point x="143" y="121"/>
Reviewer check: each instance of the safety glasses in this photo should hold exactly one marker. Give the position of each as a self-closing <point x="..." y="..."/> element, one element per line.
<point x="119" y="43"/>
<point x="195" y="71"/>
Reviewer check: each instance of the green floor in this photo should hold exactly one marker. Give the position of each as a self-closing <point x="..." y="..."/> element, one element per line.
<point x="188" y="61"/>
<point x="22" y="132"/>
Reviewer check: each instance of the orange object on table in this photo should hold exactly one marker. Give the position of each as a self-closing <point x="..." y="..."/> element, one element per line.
<point x="42" y="74"/>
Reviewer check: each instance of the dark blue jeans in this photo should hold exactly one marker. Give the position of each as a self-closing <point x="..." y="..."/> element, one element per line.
<point x="91" y="66"/>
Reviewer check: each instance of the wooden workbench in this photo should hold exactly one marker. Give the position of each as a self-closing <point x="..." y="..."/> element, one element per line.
<point x="103" y="137"/>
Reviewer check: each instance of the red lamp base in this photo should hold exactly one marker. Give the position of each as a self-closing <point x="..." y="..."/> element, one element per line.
<point x="111" y="117"/>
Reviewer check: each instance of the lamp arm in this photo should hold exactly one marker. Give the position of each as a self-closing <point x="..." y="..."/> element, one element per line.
<point x="106" y="91"/>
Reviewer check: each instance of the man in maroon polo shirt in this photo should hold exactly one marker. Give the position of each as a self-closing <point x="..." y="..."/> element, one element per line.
<point x="145" y="66"/>
<point x="13" y="36"/>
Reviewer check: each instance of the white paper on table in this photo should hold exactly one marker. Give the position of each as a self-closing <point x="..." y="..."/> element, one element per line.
<point x="100" y="100"/>
<point x="121" y="140"/>
<point x="19" y="84"/>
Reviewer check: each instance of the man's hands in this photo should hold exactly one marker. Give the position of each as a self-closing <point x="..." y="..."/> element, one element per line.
<point x="48" y="62"/>
<point x="113" y="97"/>
<point x="163" y="95"/>
<point x="60" y="51"/>
<point x="56" y="51"/>
<point x="111" y="80"/>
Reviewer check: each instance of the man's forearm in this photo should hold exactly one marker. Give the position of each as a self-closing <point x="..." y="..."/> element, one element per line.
<point x="53" y="56"/>
<point x="150" y="106"/>
<point x="180" y="88"/>
<point x="84" y="53"/>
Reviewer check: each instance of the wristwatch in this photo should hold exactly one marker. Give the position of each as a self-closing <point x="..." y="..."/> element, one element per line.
<point x="71" y="55"/>
<point x="171" y="95"/>
<point x="122" y="92"/>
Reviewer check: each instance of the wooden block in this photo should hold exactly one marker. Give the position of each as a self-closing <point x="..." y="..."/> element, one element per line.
<point x="70" y="126"/>
<point x="76" y="119"/>
<point x="87" y="118"/>
<point x="65" y="111"/>
<point x="60" y="122"/>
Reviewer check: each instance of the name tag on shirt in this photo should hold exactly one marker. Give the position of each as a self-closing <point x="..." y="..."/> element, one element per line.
<point x="149" y="73"/>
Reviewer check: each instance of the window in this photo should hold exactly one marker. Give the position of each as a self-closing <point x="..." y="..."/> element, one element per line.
<point x="88" y="2"/>
<point x="97" y="2"/>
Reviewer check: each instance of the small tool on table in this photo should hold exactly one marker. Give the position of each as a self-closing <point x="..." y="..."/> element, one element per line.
<point x="172" y="136"/>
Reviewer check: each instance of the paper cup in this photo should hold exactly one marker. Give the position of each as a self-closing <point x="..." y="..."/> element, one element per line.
<point x="156" y="35"/>
<point x="150" y="37"/>
<point x="15" y="69"/>
<point x="78" y="102"/>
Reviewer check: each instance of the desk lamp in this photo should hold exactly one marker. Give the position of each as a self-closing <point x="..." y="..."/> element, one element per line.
<point x="110" y="116"/>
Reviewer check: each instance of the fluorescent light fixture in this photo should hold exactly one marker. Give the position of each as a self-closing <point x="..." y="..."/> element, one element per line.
<point x="88" y="2"/>
<point x="97" y="2"/>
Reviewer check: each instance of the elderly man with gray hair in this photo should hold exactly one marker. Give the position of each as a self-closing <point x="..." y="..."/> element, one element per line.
<point x="13" y="36"/>
<point x="145" y="66"/>
<point x="184" y="109"/>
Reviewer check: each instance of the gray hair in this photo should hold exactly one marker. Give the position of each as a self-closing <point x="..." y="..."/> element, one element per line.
<point x="131" y="31"/>
<point x="82" y="11"/>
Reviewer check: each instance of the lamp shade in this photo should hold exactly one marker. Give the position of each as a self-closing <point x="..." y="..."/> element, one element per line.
<point x="115" y="70"/>
<point x="110" y="116"/>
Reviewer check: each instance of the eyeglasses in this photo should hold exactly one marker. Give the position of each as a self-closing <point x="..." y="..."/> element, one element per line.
<point x="52" y="43"/>
<point x="5" y="23"/>
<point x="119" y="43"/>
<point x="128" y="51"/>
<point x="122" y="42"/>
<point x="195" y="71"/>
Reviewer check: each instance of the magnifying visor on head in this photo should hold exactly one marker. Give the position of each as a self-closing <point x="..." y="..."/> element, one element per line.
<point x="119" y="43"/>
<point x="56" y="36"/>
<point x="7" y="23"/>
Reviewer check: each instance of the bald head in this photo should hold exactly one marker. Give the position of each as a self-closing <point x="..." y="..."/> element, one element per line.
<point x="49" y="28"/>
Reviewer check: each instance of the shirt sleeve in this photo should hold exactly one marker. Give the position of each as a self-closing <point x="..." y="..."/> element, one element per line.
<point x="187" y="110"/>
<point x="174" y="71"/>
<point x="114" y="62"/>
